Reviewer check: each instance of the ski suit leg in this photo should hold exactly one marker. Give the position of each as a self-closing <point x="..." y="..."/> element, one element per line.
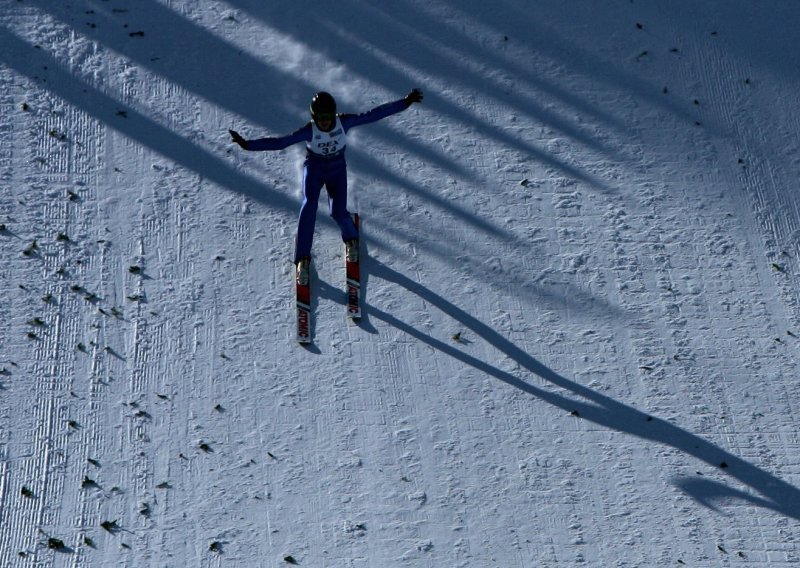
<point x="336" y="185"/>
<point x="312" y="185"/>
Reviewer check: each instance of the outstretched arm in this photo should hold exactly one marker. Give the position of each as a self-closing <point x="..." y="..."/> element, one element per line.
<point x="382" y="111"/>
<point x="272" y="143"/>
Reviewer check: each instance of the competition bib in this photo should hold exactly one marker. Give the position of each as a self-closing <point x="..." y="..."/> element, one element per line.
<point x="327" y="143"/>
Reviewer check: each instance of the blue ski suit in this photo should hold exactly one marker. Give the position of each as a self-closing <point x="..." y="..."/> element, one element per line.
<point x="325" y="165"/>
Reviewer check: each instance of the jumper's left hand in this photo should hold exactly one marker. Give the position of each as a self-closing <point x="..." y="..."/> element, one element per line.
<point x="415" y="96"/>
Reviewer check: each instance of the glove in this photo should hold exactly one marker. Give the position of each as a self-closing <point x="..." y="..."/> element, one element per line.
<point x="415" y="96"/>
<point x="236" y="137"/>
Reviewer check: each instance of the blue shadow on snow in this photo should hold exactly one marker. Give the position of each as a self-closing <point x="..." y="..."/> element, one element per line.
<point x="777" y="495"/>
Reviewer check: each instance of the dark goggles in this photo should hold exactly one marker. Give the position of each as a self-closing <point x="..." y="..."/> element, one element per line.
<point x="324" y="116"/>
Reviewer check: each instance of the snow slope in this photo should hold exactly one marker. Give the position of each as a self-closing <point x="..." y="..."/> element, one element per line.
<point x="581" y="324"/>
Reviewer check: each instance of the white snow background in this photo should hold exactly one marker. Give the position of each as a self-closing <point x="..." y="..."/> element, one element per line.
<point x="582" y="319"/>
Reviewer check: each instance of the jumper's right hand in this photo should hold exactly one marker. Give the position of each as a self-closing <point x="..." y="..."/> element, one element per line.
<point x="236" y="137"/>
<point x="415" y="96"/>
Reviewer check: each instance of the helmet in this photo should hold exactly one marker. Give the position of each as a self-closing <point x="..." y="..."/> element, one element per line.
<point x="322" y="103"/>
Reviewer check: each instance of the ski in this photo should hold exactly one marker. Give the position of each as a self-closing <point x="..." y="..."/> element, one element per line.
<point x="353" y="279"/>
<point x="303" y="291"/>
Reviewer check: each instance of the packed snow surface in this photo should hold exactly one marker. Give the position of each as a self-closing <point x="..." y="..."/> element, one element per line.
<point x="581" y="310"/>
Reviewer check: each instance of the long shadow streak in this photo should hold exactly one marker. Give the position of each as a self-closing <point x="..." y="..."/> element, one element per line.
<point x="778" y="495"/>
<point x="30" y="61"/>
<point x="181" y="51"/>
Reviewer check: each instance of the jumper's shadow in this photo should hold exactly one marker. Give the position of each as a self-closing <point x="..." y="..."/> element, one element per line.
<point x="775" y="494"/>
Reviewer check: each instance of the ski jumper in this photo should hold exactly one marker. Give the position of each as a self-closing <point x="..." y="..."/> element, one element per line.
<point x="325" y="165"/>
